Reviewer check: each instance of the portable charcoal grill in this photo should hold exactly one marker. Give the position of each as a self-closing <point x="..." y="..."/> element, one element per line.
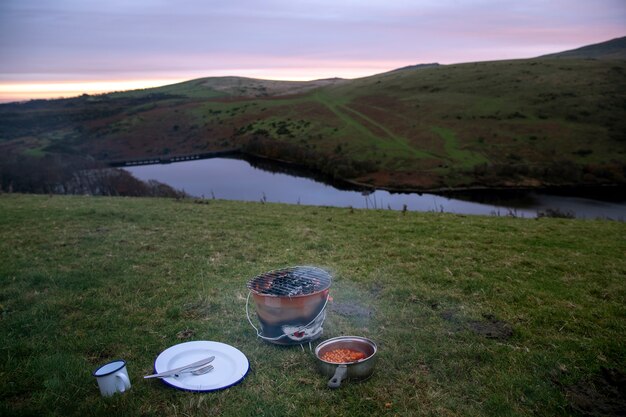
<point x="290" y="303"/>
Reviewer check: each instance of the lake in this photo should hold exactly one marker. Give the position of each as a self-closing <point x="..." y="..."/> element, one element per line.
<point x="236" y="179"/>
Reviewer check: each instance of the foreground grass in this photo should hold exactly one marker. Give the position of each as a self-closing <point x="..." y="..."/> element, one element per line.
<point x="85" y="280"/>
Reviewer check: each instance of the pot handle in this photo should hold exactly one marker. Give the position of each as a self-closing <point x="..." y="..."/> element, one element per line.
<point x="340" y="374"/>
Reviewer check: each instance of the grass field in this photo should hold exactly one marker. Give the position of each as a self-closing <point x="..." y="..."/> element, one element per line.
<point x="481" y="316"/>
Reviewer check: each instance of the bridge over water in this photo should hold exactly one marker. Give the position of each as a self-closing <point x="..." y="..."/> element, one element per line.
<point x="167" y="159"/>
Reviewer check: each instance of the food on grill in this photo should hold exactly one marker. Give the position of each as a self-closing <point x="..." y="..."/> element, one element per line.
<point x="343" y="356"/>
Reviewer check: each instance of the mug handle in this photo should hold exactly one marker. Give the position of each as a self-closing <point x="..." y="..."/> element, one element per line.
<point x="125" y="382"/>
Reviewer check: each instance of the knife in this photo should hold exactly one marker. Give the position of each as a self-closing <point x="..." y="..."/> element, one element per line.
<point x="173" y="372"/>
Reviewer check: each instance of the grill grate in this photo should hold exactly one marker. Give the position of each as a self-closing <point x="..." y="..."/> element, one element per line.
<point x="289" y="282"/>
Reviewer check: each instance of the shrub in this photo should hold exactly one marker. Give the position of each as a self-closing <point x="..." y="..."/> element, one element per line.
<point x="556" y="213"/>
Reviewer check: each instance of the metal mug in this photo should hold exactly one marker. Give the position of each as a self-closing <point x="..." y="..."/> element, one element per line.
<point x="112" y="378"/>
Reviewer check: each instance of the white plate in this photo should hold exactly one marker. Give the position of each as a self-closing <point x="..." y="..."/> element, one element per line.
<point x="230" y="365"/>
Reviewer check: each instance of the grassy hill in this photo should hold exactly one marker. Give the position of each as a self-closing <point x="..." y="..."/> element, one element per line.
<point x="613" y="49"/>
<point x="242" y="87"/>
<point x="527" y="123"/>
<point x="480" y="316"/>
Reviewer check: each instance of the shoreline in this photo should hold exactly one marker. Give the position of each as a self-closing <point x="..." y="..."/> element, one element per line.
<point x="280" y="165"/>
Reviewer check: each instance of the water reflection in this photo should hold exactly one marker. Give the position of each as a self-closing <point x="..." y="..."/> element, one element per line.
<point x="235" y="179"/>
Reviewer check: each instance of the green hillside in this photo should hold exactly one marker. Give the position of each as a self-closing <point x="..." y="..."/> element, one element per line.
<point x="613" y="49"/>
<point x="527" y="123"/>
<point x="473" y="315"/>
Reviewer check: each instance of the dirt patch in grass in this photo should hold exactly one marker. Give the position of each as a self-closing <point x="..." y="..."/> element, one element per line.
<point x="450" y="316"/>
<point x="185" y="334"/>
<point x="490" y="327"/>
<point x="602" y="395"/>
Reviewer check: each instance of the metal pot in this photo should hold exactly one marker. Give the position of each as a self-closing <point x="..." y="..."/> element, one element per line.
<point x="358" y="370"/>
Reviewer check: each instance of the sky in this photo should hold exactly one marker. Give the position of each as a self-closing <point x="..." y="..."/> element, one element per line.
<point x="54" y="48"/>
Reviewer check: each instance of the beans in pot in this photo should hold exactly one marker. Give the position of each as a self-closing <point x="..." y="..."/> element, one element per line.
<point x="343" y="356"/>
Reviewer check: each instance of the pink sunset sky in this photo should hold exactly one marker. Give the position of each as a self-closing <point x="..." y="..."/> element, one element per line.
<point x="53" y="48"/>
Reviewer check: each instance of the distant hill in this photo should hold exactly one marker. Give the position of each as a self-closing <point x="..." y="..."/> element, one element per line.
<point x="214" y="87"/>
<point x="521" y="123"/>
<point x="417" y="66"/>
<point x="613" y="49"/>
